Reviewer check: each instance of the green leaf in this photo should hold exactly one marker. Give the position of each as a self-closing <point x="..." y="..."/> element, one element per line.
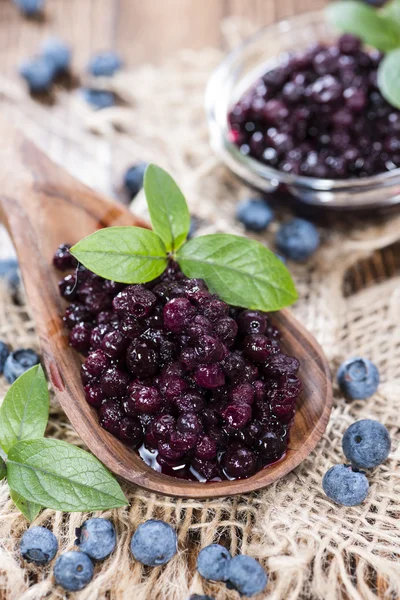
<point x="167" y="206"/>
<point x="242" y="272"/>
<point x="389" y="78"/>
<point x="365" y="22"/>
<point x="29" y="509"/>
<point x="391" y="10"/>
<point x="124" y="254"/>
<point x="61" y="476"/>
<point x="3" y="468"/>
<point x="25" y="409"/>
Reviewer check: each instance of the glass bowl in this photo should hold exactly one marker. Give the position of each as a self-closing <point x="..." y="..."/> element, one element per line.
<point x="236" y="74"/>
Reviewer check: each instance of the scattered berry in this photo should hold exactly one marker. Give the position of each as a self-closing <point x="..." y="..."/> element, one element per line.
<point x="133" y="178"/>
<point x="98" y="98"/>
<point x="38" y="545"/>
<point x="246" y="575"/>
<point x="345" y="485"/>
<point x="154" y="543"/>
<point x="4" y="353"/>
<point x="73" y="571"/>
<point x="58" y="53"/>
<point x="358" y="378"/>
<point x="212" y="562"/>
<point x="30" y="8"/>
<point x="297" y="239"/>
<point x="9" y="271"/>
<point x="255" y="214"/>
<point x="105" y="64"/>
<point x="18" y="362"/>
<point x="96" y="538"/>
<point x="38" y="73"/>
<point x="199" y="597"/>
<point x="366" y="444"/>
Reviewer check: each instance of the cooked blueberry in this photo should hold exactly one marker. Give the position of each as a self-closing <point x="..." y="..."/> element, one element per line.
<point x="345" y="485"/>
<point x="4" y="353"/>
<point x="297" y="239"/>
<point x="366" y="444"/>
<point x="38" y="74"/>
<point x="98" y="98"/>
<point x="57" y="52"/>
<point x="96" y="538"/>
<point x="38" y="545"/>
<point x="133" y="178"/>
<point x="358" y="378"/>
<point x="154" y="543"/>
<point x="246" y="575"/>
<point x="18" y="362"/>
<point x="30" y="8"/>
<point x="239" y="462"/>
<point x="213" y="561"/>
<point x="73" y="571"/>
<point x="255" y="214"/>
<point x="105" y="64"/>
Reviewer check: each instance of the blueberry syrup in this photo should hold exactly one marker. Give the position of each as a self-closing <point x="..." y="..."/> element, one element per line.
<point x="319" y="113"/>
<point x="201" y="390"/>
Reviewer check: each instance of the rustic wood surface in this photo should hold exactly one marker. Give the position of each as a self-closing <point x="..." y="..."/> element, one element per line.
<point x="43" y="206"/>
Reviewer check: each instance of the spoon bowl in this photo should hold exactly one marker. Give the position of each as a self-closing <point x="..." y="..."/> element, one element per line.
<point x="42" y="207"/>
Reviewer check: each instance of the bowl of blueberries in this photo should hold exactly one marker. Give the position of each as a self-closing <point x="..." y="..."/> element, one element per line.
<point x="296" y="111"/>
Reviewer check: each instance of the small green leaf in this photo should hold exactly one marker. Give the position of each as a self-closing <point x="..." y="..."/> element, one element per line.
<point x="30" y="510"/>
<point x="3" y="468"/>
<point x="242" y="272"/>
<point x="167" y="206"/>
<point x="365" y="22"/>
<point x="61" y="476"/>
<point x="25" y="409"/>
<point x="124" y="254"/>
<point x="389" y="78"/>
<point x="391" y="10"/>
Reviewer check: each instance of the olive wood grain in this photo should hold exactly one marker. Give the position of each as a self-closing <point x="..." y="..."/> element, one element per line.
<point x="43" y="206"/>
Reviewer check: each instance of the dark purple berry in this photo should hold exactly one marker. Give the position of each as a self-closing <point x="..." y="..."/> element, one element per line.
<point x="178" y="313"/>
<point x="114" y="382"/>
<point x="239" y="462"/>
<point x="209" y="376"/>
<point x="96" y="363"/>
<point x="257" y="347"/>
<point x="79" y="338"/>
<point x="131" y="431"/>
<point x="142" y="358"/>
<point x="251" y="321"/>
<point x="110" y="416"/>
<point x="63" y="259"/>
<point x="281" y="364"/>
<point x="114" y="344"/>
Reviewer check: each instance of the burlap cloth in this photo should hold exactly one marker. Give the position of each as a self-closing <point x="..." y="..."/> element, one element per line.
<point x="349" y="299"/>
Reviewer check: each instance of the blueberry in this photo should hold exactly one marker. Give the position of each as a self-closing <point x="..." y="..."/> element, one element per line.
<point x="38" y="545"/>
<point x="345" y="485"/>
<point x="105" y="64"/>
<point x="98" y="98"/>
<point x="73" y="570"/>
<point x="255" y="214"/>
<point x="18" y="362"/>
<point x="154" y="543"/>
<point x="366" y="444"/>
<point x="38" y="73"/>
<point x="96" y="538"/>
<point x="199" y="597"/>
<point x="297" y="239"/>
<point x="9" y="271"/>
<point x="246" y="575"/>
<point x="4" y="353"/>
<point x="30" y="7"/>
<point x="133" y="178"/>
<point x="358" y="378"/>
<point x="212" y="562"/>
<point x="58" y="53"/>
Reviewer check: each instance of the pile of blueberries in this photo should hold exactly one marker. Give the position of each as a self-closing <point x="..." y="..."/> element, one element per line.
<point x="153" y="544"/>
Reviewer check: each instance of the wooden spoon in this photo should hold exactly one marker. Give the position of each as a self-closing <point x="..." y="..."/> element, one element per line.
<point x="43" y="206"/>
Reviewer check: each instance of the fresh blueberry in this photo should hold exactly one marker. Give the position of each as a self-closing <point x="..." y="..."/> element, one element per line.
<point x="38" y="545"/>
<point x="154" y="543"/>
<point x="133" y="178"/>
<point x="99" y="98"/>
<point x="18" y="362"/>
<point x="345" y="485"/>
<point x="366" y="444"/>
<point x="255" y="214"/>
<point x="297" y="239"/>
<point x="58" y="53"/>
<point x="358" y="378"/>
<point x="96" y="538"/>
<point x="38" y="73"/>
<point x="199" y="597"/>
<point x="9" y="271"/>
<point x="30" y="8"/>
<point x="212" y="562"/>
<point x="4" y="353"/>
<point x="73" y="570"/>
<point x="105" y="64"/>
<point x="246" y="575"/>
